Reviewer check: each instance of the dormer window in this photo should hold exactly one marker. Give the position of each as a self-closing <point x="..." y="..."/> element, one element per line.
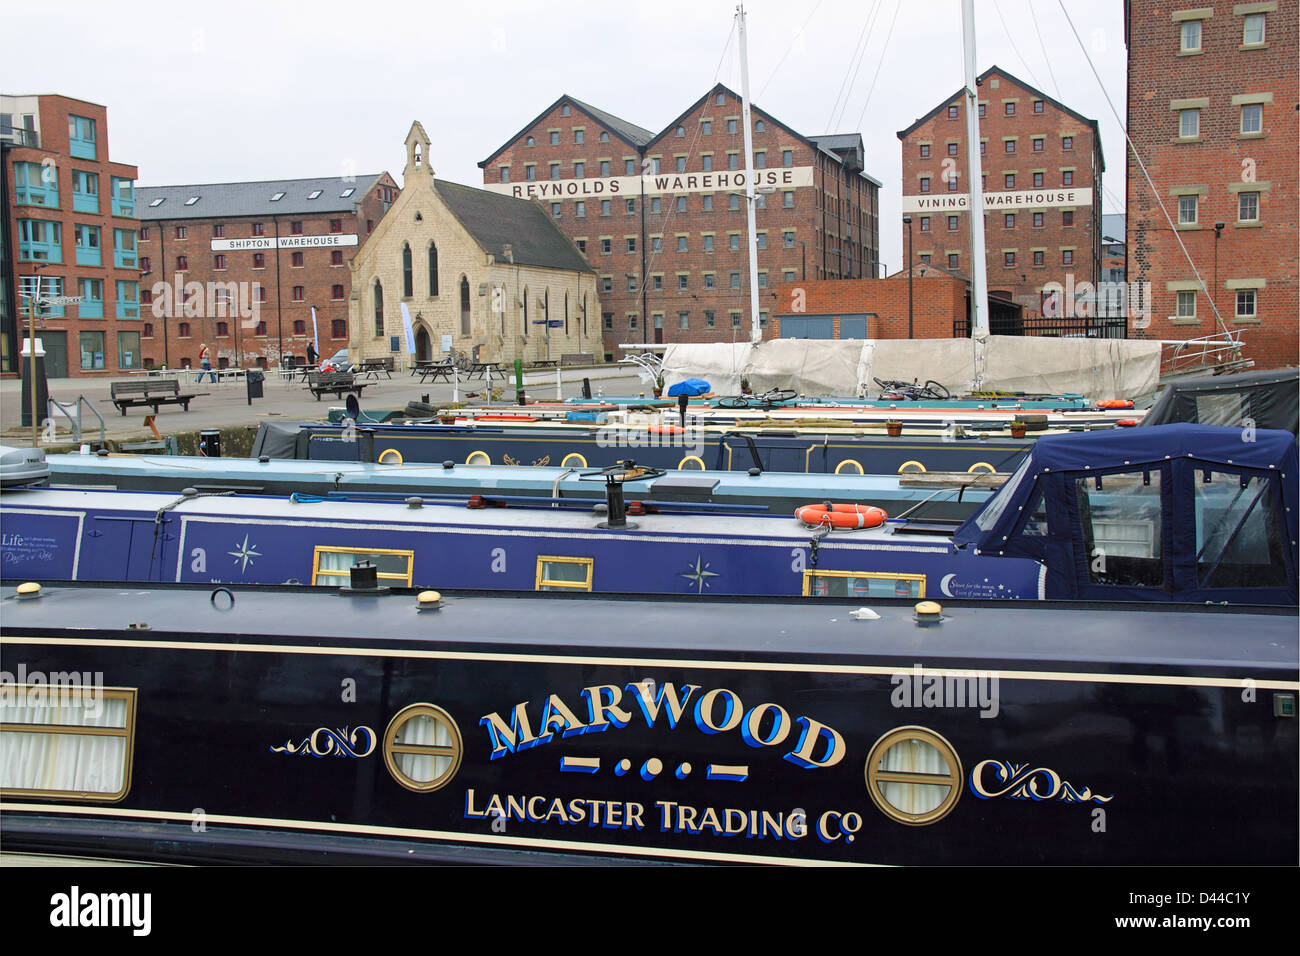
<point x="315" y="194"/>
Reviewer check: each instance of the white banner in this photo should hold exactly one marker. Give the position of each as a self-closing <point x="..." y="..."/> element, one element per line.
<point x="618" y="187"/>
<point x="315" y="335"/>
<point x="259" y="243"/>
<point x="993" y="201"/>
<point x="406" y="327"/>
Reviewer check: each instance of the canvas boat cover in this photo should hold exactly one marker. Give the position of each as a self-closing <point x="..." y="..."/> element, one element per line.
<point x="1097" y="368"/>
<point x="1268" y="399"/>
<point x="1216" y="508"/>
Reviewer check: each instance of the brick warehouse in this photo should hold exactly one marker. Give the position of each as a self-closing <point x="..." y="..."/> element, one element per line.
<point x="1042" y="166"/>
<point x="672" y="245"/>
<point x="69" y="224"/>
<point x="1211" y="110"/>
<point x="240" y="265"/>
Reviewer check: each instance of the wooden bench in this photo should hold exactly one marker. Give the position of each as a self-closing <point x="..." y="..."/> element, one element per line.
<point x="318" y="383"/>
<point x="373" y="367"/>
<point x="149" y="394"/>
<point x="577" y="358"/>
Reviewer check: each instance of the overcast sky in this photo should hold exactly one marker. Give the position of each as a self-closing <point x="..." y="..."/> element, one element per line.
<point x="263" y="90"/>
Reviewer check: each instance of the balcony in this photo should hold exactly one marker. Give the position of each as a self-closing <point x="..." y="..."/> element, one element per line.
<point x="82" y="148"/>
<point x="85" y="202"/>
<point x="26" y="138"/>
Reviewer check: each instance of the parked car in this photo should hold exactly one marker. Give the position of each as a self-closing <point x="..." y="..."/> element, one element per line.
<point x="338" y="362"/>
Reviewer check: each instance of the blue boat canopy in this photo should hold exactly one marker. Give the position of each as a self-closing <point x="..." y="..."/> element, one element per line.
<point x="1179" y="512"/>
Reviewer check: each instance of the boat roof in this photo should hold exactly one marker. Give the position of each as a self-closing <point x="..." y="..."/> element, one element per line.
<point x="757" y="529"/>
<point x="662" y="630"/>
<point x="1268" y="399"/>
<point x="475" y="479"/>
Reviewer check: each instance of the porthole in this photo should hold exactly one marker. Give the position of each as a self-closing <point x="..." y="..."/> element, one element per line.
<point x="981" y="464"/>
<point x="390" y="456"/>
<point x="478" y="458"/>
<point x="422" y="747"/>
<point x="691" y="463"/>
<point x="913" y="776"/>
<point x="849" y="463"/>
<point x="903" y="466"/>
<point x="573" y="459"/>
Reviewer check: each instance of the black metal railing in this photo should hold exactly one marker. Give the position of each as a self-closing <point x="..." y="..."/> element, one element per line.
<point x="1054" y="326"/>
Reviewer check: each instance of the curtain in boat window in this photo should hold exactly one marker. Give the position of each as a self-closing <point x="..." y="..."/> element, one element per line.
<point x="334" y="565"/>
<point x="63" y="760"/>
<point x="914" y="756"/>
<point x="424" y="731"/>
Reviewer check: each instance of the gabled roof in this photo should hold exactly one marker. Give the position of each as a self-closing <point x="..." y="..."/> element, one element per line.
<point x="217" y="200"/>
<point x="630" y="133"/>
<point x="494" y="221"/>
<point x="902" y="134"/>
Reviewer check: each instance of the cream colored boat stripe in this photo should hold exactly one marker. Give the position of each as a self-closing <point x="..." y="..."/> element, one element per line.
<point x="783" y="667"/>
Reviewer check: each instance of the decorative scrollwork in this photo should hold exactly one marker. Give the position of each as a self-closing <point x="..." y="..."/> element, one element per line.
<point x="1017" y="781"/>
<point x="324" y="742"/>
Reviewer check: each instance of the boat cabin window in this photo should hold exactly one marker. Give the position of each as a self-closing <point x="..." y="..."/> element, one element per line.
<point x="422" y="747"/>
<point x="1121" y="522"/>
<point x="1238" y="532"/>
<point x="863" y="584"/>
<point x="1007" y="493"/>
<point x="70" y="742"/>
<point x="564" y="574"/>
<point x="332" y="565"/>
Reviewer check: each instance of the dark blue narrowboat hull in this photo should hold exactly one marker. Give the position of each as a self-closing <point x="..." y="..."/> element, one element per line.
<point x="818" y="453"/>
<point x="300" y="727"/>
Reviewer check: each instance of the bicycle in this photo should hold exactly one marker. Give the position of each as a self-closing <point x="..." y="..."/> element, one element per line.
<point x="767" y="400"/>
<point x="912" y="391"/>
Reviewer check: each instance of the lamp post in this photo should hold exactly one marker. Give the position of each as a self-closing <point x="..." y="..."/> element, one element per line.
<point x="32" y="309"/>
<point x="907" y="221"/>
<point x="1218" y="231"/>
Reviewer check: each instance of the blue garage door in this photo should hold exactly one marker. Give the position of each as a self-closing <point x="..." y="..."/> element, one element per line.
<point x="807" y="327"/>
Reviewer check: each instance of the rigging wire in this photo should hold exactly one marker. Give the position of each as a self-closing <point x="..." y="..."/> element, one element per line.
<point x="861" y="42"/>
<point x="1146" y="175"/>
<point x="879" y="63"/>
<point x="1042" y="46"/>
<point x="848" y="92"/>
<point x="793" y="40"/>
<point x="1007" y="31"/>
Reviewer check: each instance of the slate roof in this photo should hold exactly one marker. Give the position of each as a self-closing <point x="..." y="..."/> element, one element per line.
<point x="629" y="131"/>
<point x="495" y="220"/>
<point x="218" y="200"/>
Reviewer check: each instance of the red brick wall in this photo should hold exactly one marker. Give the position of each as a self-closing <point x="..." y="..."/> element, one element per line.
<point x="279" y="310"/>
<point x="839" y="212"/>
<point x="937" y="301"/>
<point x="54" y="111"/>
<point x="1023" y="237"/>
<point x="1223" y="158"/>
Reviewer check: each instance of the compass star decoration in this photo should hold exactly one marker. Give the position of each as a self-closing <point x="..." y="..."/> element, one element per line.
<point x="245" y="555"/>
<point x="700" y="574"/>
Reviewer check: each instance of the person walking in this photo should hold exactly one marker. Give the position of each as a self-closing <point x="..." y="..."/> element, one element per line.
<point x="205" y="363"/>
<point x="312" y="357"/>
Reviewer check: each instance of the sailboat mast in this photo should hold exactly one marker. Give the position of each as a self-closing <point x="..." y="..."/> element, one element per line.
<point x="979" y="318"/>
<point x="755" y="327"/>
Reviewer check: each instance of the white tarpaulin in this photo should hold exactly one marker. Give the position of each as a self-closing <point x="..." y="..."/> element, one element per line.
<point x="1096" y="368"/>
<point x="809" y="366"/>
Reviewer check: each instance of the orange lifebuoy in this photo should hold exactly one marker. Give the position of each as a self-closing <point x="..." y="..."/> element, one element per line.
<point x="665" y="429"/>
<point x="1115" y="403"/>
<point x="1125" y="422"/>
<point x="841" y="516"/>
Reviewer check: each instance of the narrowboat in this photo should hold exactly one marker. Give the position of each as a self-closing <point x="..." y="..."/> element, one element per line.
<point x="926" y="495"/>
<point x="193" y="724"/>
<point x="1181" y="513"/>
<point x="819" y="451"/>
